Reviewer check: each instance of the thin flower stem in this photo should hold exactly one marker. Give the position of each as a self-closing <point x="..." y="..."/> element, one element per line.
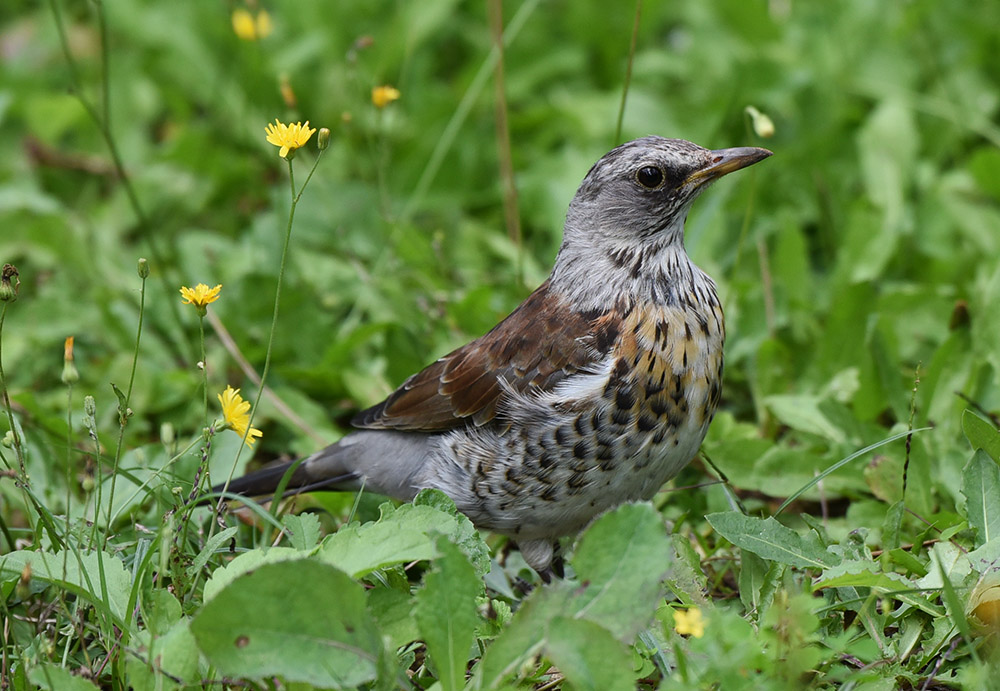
<point x="628" y="72"/>
<point x="69" y="469"/>
<point x="204" y="367"/>
<point x="123" y="416"/>
<point x="22" y="477"/>
<point x="18" y="451"/>
<point x="295" y="197"/>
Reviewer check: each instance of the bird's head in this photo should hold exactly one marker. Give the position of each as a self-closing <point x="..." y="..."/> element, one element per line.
<point x="641" y="191"/>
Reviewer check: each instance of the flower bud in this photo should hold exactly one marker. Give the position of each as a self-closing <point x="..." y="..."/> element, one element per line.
<point x="167" y="434"/>
<point x="8" y="290"/>
<point x="762" y="124"/>
<point x="143" y="268"/>
<point x="323" y="141"/>
<point x="69" y="373"/>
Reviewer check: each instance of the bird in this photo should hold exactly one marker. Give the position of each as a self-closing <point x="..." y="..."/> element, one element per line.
<point x="594" y="392"/>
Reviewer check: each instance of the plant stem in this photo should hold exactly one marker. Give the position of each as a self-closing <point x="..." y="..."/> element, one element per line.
<point x="628" y="72"/>
<point x="295" y="197"/>
<point x="124" y="413"/>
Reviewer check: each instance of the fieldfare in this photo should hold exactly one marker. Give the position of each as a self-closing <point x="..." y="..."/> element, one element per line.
<point x="594" y="392"/>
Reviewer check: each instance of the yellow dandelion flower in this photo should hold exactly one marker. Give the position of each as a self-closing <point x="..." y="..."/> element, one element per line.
<point x="200" y="296"/>
<point x="236" y="412"/>
<point x="288" y="137"/>
<point x="384" y="95"/>
<point x="243" y="24"/>
<point x="689" y="622"/>
<point x="250" y="28"/>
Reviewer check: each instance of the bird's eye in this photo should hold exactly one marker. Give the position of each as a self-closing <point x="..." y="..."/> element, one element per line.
<point x="649" y="177"/>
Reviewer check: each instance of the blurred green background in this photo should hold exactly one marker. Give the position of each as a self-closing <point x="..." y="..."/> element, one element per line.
<point x="864" y="249"/>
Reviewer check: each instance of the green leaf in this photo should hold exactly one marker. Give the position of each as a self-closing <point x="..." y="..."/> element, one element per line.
<point x="588" y="655"/>
<point x="981" y="487"/>
<point x="956" y="611"/>
<point x="865" y="574"/>
<point x="55" y="678"/>
<point x="753" y="572"/>
<point x="466" y="535"/>
<point x="393" y="612"/>
<point x="162" y="611"/>
<point x="82" y="575"/>
<point x="214" y="543"/>
<point x="803" y="413"/>
<point x="175" y="654"/>
<point x="525" y="636"/>
<point x="123" y="410"/>
<point x="300" y="620"/>
<point x="400" y="535"/>
<point x="892" y="525"/>
<point x="621" y="560"/>
<point x="981" y="434"/>
<point x="303" y="530"/>
<point x="245" y="562"/>
<point x="446" y="613"/>
<point x="769" y="539"/>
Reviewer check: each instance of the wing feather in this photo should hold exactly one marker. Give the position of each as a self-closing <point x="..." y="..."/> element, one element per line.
<point x="537" y="346"/>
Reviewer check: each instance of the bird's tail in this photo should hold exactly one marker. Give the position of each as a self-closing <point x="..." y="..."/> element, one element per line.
<point x="383" y="461"/>
<point x="286" y="478"/>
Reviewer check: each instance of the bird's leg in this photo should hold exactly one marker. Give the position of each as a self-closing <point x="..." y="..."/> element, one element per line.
<point x="539" y="554"/>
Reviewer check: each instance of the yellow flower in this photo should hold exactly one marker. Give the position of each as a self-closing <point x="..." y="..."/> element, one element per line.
<point x="201" y="295"/>
<point x="689" y="622"/>
<point x="236" y="412"/>
<point x="288" y="137"/>
<point x="384" y="95"/>
<point x="250" y="28"/>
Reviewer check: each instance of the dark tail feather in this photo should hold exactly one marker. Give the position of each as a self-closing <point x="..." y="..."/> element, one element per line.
<point x="269" y="480"/>
<point x="266" y="480"/>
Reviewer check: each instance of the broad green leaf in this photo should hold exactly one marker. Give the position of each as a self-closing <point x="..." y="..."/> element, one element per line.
<point x="446" y="613"/>
<point x="245" y="562"/>
<point x="769" y="539"/>
<point x="864" y="574"/>
<point x="299" y="620"/>
<point x="981" y="487"/>
<point x="400" y="535"/>
<point x="82" y="575"/>
<point x="588" y="655"/>
<point x="175" y="654"/>
<point x="162" y="611"/>
<point x="981" y="434"/>
<point x="621" y="561"/>
<point x="466" y="535"/>
<point x="525" y="636"/>
<point x="803" y="413"/>
<point x="55" y="678"/>
<point x="393" y="612"/>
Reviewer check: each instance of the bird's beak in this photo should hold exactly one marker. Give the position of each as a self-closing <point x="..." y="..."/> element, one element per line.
<point x="723" y="161"/>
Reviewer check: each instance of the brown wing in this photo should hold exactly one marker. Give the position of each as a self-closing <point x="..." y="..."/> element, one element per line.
<point x="536" y="346"/>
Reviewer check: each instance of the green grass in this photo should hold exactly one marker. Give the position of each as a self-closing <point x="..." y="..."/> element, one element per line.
<point x="857" y="268"/>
